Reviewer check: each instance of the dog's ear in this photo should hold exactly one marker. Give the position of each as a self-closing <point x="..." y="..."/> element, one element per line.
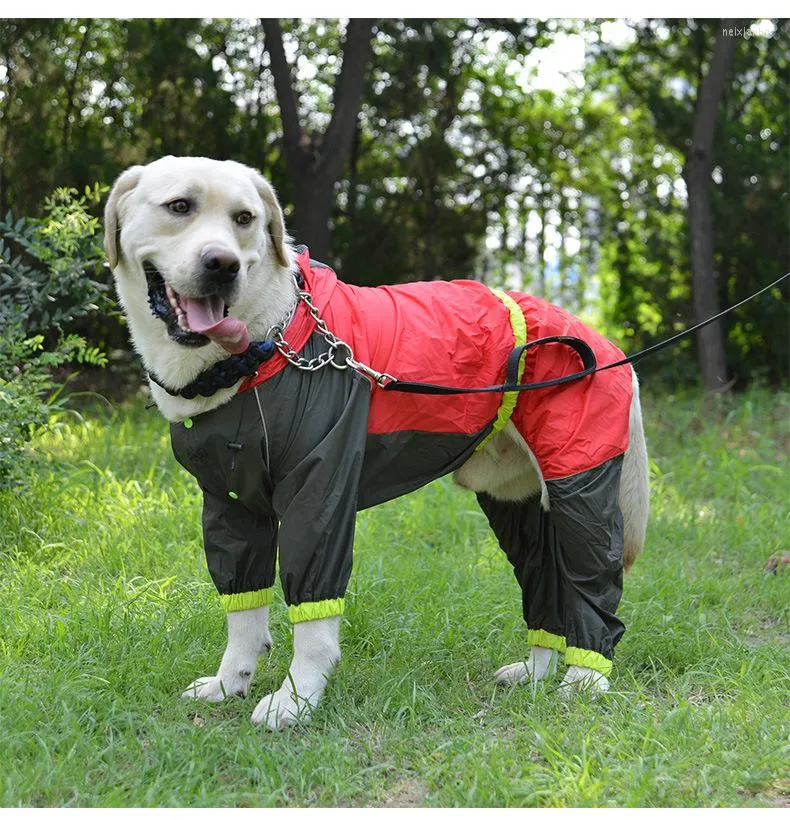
<point x="125" y="183"/>
<point x="276" y="222"/>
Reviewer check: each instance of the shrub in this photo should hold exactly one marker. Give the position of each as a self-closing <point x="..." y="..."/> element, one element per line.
<point x="57" y="274"/>
<point x="50" y="275"/>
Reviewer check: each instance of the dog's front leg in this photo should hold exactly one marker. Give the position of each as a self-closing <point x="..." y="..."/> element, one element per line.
<point x="316" y="652"/>
<point x="248" y="639"/>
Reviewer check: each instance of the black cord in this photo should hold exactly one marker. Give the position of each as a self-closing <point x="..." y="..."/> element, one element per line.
<point x="582" y="348"/>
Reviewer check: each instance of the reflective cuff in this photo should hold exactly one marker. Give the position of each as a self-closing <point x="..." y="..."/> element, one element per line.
<point x="313" y="610"/>
<point x="588" y="659"/>
<point x="519" y="325"/>
<point x="246" y="600"/>
<point x="539" y="637"/>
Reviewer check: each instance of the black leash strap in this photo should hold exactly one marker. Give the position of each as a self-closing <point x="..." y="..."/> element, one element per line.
<point x="589" y="363"/>
<point x="511" y="384"/>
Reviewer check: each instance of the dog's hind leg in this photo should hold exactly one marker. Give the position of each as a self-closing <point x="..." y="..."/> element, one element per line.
<point x="248" y="639"/>
<point x="316" y="653"/>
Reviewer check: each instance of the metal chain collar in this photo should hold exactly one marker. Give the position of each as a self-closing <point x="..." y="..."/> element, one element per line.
<point x="340" y="355"/>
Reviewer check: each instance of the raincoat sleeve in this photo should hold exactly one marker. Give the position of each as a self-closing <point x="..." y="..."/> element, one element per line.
<point x="316" y="486"/>
<point x="241" y="552"/>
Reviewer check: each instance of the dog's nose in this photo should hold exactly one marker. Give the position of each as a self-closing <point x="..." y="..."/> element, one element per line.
<point x="220" y="263"/>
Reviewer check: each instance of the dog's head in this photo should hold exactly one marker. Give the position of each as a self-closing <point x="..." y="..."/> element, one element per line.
<point x="184" y="234"/>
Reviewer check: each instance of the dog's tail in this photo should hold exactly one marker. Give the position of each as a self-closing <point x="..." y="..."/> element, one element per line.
<point x="635" y="484"/>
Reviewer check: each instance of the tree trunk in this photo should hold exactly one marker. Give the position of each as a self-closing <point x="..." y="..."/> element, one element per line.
<point x="523" y="240"/>
<point x="563" y="262"/>
<point x="313" y="200"/>
<point x="697" y="171"/>
<point x="316" y="161"/>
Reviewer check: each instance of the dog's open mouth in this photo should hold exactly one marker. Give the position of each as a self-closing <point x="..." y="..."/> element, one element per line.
<point x="194" y="321"/>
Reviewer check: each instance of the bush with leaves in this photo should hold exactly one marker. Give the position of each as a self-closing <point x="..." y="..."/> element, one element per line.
<point x="51" y="274"/>
<point x="52" y="269"/>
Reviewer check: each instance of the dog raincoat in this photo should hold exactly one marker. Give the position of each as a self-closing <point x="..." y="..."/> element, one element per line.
<point x="285" y="465"/>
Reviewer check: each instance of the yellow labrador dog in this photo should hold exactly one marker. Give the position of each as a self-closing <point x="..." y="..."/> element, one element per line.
<point x="209" y="281"/>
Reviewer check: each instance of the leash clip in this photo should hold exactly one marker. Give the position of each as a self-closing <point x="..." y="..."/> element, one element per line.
<point x="379" y="379"/>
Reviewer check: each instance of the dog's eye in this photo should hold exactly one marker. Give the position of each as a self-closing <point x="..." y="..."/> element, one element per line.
<point x="179" y="206"/>
<point x="244" y="218"/>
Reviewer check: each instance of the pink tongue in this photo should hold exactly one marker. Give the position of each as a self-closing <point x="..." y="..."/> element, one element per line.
<point x="205" y="316"/>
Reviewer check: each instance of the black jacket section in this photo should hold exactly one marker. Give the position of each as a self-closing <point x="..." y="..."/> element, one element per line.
<point x="243" y="545"/>
<point x="569" y="560"/>
<point x="307" y="467"/>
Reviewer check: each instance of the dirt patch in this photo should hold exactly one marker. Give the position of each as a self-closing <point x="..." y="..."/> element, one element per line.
<point x="767" y="630"/>
<point x="778" y="793"/>
<point x="406" y="794"/>
<point x="779" y="799"/>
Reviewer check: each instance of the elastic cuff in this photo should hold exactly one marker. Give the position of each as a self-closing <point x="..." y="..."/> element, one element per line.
<point x="588" y="659"/>
<point x="247" y="600"/>
<point x="539" y="637"/>
<point x="313" y="610"/>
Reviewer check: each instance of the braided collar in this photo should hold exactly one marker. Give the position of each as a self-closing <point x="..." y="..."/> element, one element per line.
<point x="224" y="373"/>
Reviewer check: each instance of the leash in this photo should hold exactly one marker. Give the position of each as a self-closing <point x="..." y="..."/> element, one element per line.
<point x="589" y="363"/>
<point x="340" y="356"/>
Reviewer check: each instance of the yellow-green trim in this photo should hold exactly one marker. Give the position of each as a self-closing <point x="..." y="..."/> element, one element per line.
<point x="313" y="610"/>
<point x="519" y="325"/>
<point x="539" y="637"/>
<point x="588" y="659"/>
<point x="246" y="600"/>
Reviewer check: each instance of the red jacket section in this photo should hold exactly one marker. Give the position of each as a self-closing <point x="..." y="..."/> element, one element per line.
<point x="576" y="426"/>
<point x="447" y="332"/>
<point x="459" y="333"/>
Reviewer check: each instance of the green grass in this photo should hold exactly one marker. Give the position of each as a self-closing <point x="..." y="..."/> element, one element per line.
<point x="108" y="612"/>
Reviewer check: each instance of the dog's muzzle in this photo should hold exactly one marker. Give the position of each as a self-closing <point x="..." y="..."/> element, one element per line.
<point x="196" y="321"/>
<point x="162" y="308"/>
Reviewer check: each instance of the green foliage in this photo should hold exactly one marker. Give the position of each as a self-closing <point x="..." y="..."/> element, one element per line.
<point x="45" y="284"/>
<point x="108" y="612"/>
<point x="463" y="164"/>
<point x="426" y="174"/>
<point x="653" y="79"/>
<point x="52" y="269"/>
<point x="29" y="394"/>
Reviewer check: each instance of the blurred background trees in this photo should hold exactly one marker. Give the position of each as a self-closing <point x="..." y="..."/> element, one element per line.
<point x="414" y="149"/>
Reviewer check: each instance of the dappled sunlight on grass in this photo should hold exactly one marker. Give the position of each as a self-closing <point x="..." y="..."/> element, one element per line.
<point x="108" y="612"/>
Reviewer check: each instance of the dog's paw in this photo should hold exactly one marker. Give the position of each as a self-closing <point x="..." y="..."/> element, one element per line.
<point x="539" y="665"/>
<point x="512" y="673"/>
<point x="216" y="688"/>
<point x="282" y="709"/>
<point x="580" y="679"/>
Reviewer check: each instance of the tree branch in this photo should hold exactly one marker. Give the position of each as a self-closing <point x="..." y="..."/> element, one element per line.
<point x="348" y="93"/>
<point x="72" y="91"/>
<point x="750" y="96"/>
